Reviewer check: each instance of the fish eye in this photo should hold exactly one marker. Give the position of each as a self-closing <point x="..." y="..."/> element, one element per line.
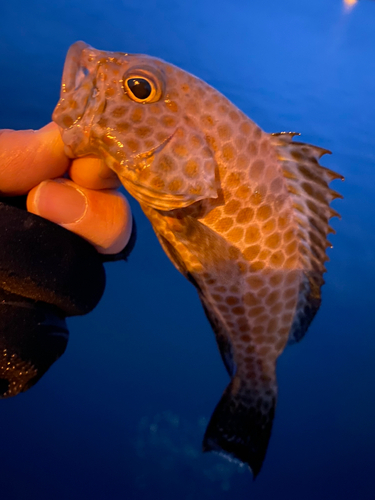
<point x="142" y="88"/>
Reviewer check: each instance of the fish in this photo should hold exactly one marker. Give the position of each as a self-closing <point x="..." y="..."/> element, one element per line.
<point x="241" y="213"/>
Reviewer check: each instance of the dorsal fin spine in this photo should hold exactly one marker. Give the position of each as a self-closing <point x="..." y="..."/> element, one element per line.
<point x="308" y="185"/>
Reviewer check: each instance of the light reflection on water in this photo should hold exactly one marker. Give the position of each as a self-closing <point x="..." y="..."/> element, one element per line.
<point x="169" y="444"/>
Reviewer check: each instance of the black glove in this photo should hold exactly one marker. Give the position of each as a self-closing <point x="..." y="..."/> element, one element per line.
<point x="46" y="274"/>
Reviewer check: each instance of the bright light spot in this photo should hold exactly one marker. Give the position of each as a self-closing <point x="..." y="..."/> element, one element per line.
<point x="349" y="4"/>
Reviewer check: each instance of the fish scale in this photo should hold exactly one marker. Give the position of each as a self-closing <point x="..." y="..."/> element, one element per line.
<point x="241" y="213"/>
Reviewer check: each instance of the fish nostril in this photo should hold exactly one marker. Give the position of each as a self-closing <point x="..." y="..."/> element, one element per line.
<point x="4" y="386"/>
<point x="81" y="74"/>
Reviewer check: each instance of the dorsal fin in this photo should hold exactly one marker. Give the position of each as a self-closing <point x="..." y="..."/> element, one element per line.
<point x="308" y="185"/>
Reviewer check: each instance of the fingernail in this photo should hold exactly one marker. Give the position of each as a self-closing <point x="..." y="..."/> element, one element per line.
<point x="60" y="202"/>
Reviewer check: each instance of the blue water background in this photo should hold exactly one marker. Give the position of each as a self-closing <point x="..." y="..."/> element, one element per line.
<point x="121" y="415"/>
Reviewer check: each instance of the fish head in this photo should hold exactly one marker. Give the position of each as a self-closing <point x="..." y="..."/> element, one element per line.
<point x="141" y="115"/>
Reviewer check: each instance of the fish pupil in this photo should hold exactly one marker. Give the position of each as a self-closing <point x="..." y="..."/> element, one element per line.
<point x="140" y="87"/>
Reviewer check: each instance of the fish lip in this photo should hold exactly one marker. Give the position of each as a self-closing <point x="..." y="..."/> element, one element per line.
<point x="71" y="72"/>
<point x="71" y="66"/>
<point x="75" y="72"/>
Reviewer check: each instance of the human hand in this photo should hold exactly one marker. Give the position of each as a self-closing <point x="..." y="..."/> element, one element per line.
<point x="87" y="203"/>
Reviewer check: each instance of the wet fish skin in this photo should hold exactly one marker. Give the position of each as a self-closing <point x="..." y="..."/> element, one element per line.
<point x="243" y="214"/>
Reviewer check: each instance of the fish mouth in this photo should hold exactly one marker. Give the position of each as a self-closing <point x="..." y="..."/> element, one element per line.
<point x="81" y="61"/>
<point x="78" y="85"/>
<point x="74" y="68"/>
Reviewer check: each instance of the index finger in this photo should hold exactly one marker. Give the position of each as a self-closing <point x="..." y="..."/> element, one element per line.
<point x="27" y="157"/>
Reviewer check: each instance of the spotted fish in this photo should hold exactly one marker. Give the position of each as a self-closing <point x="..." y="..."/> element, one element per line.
<point x="242" y="214"/>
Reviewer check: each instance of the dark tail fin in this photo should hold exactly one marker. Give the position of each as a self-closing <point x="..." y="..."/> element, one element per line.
<point x="241" y="424"/>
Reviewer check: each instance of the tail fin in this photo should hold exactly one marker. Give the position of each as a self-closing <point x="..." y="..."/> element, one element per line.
<point x="241" y="424"/>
